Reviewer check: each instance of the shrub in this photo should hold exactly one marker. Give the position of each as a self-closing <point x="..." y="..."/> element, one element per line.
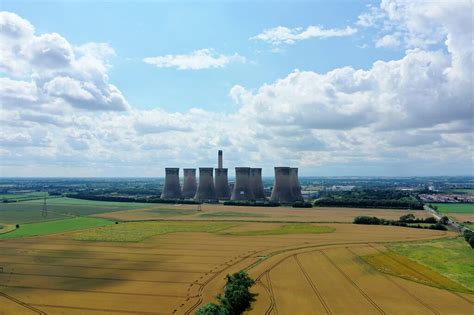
<point x="467" y="235"/>
<point x="17" y="226"/>
<point x="212" y="309"/>
<point x="431" y="220"/>
<point x="471" y="241"/>
<point x="444" y="220"/>
<point x="366" y="220"/>
<point x="302" y="204"/>
<point x="438" y="226"/>
<point x="407" y="218"/>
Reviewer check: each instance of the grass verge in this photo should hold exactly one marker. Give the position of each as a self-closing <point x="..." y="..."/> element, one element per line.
<point x="57" y="226"/>
<point x="138" y="231"/>
<point x="288" y="229"/>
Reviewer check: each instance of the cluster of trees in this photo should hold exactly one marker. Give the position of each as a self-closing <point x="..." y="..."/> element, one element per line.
<point x="302" y="204"/>
<point x="236" y="299"/>
<point x="251" y="203"/>
<point x="129" y="199"/>
<point x="370" y="198"/>
<point x="405" y="220"/>
<point x="469" y="237"/>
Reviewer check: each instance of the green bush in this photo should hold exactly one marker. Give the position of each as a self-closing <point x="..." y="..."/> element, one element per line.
<point x="212" y="309"/>
<point x="236" y="299"/>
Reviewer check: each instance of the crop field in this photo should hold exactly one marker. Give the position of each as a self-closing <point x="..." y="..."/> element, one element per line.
<point x="56" y="226"/>
<point x="58" y="208"/>
<point x="242" y="213"/>
<point x="23" y="196"/>
<point x="173" y="267"/>
<point x="455" y="207"/>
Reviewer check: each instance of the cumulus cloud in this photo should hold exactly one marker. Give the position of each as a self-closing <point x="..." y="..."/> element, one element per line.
<point x="415" y="110"/>
<point x="284" y="35"/>
<point x="196" y="60"/>
<point x="59" y="73"/>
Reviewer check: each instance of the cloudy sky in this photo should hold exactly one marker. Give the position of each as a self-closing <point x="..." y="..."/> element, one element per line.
<point x="334" y="88"/>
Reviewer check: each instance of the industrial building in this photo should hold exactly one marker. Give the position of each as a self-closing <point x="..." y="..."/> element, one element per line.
<point x="206" y="190"/>
<point x="242" y="188"/>
<point x="213" y="184"/>
<point x="172" y="188"/>
<point x="221" y="181"/>
<point x="256" y="183"/>
<point x="189" y="183"/>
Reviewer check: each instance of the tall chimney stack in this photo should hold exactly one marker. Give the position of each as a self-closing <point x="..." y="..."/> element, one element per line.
<point x="206" y="190"/>
<point x="281" y="191"/>
<point x="221" y="183"/>
<point x="172" y="189"/>
<point x="242" y="189"/>
<point x="219" y="159"/>
<point x="189" y="183"/>
<point x="256" y="183"/>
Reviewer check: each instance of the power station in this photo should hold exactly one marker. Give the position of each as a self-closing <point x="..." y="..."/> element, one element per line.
<point x="189" y="183"/>
<point x="172" y="189"/>
<point x="213" y="184"/>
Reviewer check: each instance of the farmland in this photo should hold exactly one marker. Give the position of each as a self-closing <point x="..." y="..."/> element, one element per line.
<point x="264" y="214"/>
<point x="461" y="212"/>
<point x="78" y="260"/>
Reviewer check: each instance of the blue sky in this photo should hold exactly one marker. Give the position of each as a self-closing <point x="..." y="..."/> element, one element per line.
<point x="139" y="30"/>
<point x="332" y="87"/>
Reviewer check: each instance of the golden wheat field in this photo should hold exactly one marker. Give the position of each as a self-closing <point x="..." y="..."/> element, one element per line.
<point x="300" y="269"/>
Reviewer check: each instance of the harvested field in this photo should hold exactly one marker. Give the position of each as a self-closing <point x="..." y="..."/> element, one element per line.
<point x="241" y="213"/>
<point x="174" y="273"/>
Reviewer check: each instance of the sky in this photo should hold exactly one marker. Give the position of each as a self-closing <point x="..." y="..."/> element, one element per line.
<point x="336" y="88"/>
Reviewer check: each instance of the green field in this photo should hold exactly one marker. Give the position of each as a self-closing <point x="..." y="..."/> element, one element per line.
<point x="455" y="207"/>
<point x="451" y="257"/>
<point x="138" y="231"/>
<point x="231" y="214"/>
<point x="57" y="226"/>
<point x="30" y="211"/>
<point x="298" y="228"/>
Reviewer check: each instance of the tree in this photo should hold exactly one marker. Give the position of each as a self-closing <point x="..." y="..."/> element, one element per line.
<point x="212" y="309"/>
<point x="471" y="241"/>
<point x="444" y="220"/>
<point x="407" y="218"/>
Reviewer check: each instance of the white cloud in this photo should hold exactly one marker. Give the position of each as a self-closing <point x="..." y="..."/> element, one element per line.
<point x="196" y="60"/>
<point x="416" y="110"/>
<point x="58" y="73"/>
<point x="284" y="35"/>
<point x="388" y="41"/>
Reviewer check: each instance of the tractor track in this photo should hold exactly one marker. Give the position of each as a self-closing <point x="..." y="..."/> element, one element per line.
<point x="367" y="297"/>
<point x="28" y="306"/>
<point x="313" y="286"/>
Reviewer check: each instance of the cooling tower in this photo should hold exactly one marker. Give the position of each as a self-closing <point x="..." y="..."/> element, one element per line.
<point x="242" y="189"/>
<point x="172" y="189"/>
<point x="222" y="184"/>
<point x="295" y="185"/>
<point x="256" y="183"/>
<point x="219" y="159"/>
<point x="281" y="191"/>
<point x="205" y="190"/>
<point x="189" y="183"/>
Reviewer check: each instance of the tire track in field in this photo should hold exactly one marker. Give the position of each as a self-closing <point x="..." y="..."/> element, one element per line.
<point x="113" y="311"/>
<point x="311" y="283"/>
<point x="367" y="297"/>
<point x="361" y="261"/>
<point x="422" y="275"/>
<point x="28" y="306"/>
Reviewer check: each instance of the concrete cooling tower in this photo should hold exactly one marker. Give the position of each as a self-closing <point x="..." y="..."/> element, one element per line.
<point x="256" y="183"/>
<point x="242" y="189"/>
<point x="172" y="189"/>
<point x="206" y="190"/>
<point x="295" y="185"/>
<point x="221" y="184"/>
<point x="281" y="191"/>
<point x="189" y="183"/>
